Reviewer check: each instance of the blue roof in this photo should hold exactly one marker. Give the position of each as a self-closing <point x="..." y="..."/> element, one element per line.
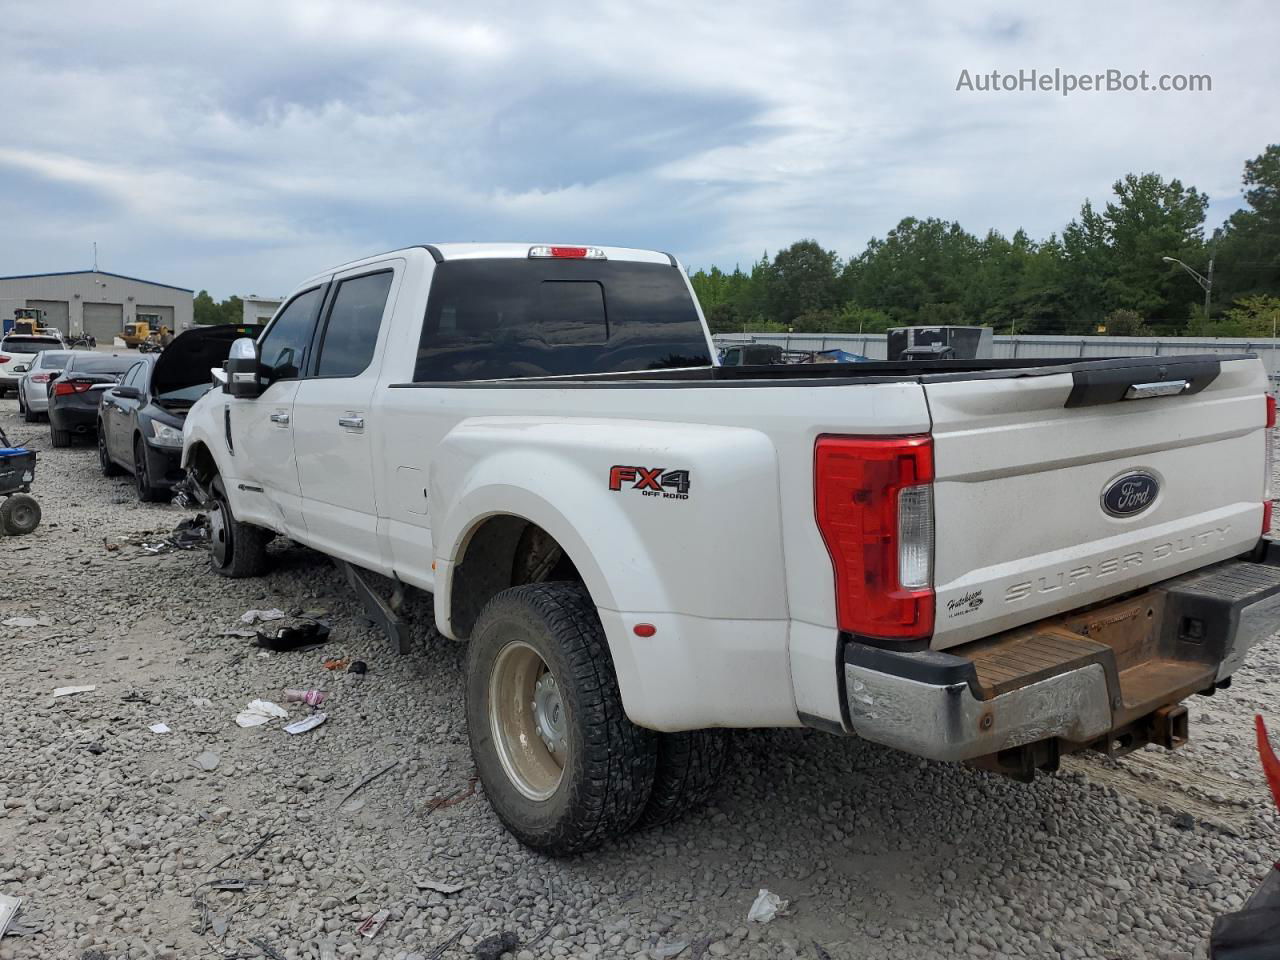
<point x="73" y="273"/>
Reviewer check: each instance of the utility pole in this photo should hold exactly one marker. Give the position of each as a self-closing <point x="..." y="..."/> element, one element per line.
<point x="95" y="256"/>
<point x="1206" y="283"/>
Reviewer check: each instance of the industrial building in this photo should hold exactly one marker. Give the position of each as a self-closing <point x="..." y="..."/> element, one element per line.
<point x="259" y="309"/>
<point x="94" y="302"/>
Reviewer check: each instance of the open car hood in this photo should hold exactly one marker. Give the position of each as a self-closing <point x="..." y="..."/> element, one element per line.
<point x="188" y="358"/>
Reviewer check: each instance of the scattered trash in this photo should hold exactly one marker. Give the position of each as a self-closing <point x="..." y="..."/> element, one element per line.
<point x="219" y="925"/>
<point x="259" y="712"/>
<point x="68" y="691"/>
<point x="669" y="949"/>
<point x="208" y="761"/>
<point x="159" y="728"/>
<point x="250" y="617"/>
<point x="358" y="667"/>
<point x="28" y="622"/>
<point x="262" y="842"/>
<point x="440" y="886"/>
<point x="491" y="948"/>
<point x="310" y="697"/>
<point x="373" y="924"/>
<point x="96" y="748"/>
<point x="191" y="532"/>
<point x="306" y="633"/>
<point x="9" y="907"/>
<point x="200" y="701"/>
<point x="310" y="723"/>
<point x="334" y="663"/>
<point x="439" y="803"/>
<point x="766" y="907"/>
<point x="366" y="781"/>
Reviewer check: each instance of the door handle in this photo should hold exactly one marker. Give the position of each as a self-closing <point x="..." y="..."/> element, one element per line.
<point x="280" y="418"/>
<point x="351" y="423"/>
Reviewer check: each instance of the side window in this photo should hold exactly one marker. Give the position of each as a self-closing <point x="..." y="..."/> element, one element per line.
<point x="134" y="377"/>
<point x="283" y="347"/>
<point x="351" y="332"/>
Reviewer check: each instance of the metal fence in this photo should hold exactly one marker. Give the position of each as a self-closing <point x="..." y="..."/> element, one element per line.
<point x="873" y="345"/>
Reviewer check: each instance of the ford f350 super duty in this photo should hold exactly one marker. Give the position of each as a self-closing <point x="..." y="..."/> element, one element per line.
<point x="996" y="562"/>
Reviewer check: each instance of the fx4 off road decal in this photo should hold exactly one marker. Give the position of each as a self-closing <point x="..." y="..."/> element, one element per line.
<point x="651" y="481"/>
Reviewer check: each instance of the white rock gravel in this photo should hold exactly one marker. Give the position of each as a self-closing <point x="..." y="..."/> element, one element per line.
<point x="112" y="835"/>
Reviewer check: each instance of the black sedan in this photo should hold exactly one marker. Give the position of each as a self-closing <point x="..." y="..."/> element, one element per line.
<point x="140" y="420"/>
<point x="74" y="393"/>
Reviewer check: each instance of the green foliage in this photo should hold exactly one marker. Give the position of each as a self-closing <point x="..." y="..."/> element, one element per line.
<point x="1106" y="268"/>
<point x="1125" y="323"/>
<point x="207" y="311"/>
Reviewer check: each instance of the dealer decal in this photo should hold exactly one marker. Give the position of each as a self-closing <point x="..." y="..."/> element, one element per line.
<point x="651" y="481"/>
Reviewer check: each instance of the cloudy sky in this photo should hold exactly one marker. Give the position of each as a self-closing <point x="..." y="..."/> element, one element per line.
<point x="241" y="146"/>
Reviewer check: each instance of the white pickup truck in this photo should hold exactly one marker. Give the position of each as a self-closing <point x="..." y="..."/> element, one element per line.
<point x="996" y="562"/>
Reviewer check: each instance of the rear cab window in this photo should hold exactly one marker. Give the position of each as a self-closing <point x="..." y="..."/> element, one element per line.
<point x="30" y="344"/>
<point x="505" y="318"/>
<point x="352" y="325"/>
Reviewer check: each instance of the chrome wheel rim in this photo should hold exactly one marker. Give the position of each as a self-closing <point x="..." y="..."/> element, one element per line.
<point x="528" y="721"/>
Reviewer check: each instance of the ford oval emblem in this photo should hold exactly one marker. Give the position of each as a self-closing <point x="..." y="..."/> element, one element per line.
<point x="1130" y="494"/>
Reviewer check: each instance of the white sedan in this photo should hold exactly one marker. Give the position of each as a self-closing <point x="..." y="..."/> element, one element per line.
<point x="33" y="388"/>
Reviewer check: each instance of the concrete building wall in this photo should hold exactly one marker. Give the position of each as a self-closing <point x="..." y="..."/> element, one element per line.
<point x="259" y="309"/>
<point x="50" y="292"/>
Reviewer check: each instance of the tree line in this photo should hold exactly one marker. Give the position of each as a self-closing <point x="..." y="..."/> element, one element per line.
<point x="1105" y="273"/>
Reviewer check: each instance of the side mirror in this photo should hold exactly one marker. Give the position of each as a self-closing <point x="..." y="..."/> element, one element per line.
<point x="244" y="371"/>
<point x="128" y="393"/>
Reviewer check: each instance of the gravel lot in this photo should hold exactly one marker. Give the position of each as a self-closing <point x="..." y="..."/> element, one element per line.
<point x="112" y="834"/>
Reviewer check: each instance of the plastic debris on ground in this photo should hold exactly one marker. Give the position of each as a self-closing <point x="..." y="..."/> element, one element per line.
<point x="312" y="698"/>
<point x="250" y="617"/>
<point x="159" y="728"/>
<point x="440" y="886"/>
<point x="190" y="533"/>
<point x="336" y="663"/>
<point x="491" y="948"/>
<point x="68" y="691"/>
<point x="358" y="667"/>
<point x="767" y="906"/>
<point x="303" y="633"/>
<point x="373" y="924"/>
<point x="259" y="712"/>
<point x="28" y="622"/>
<point x="207" y="761"/>
<point x="309" y="723"/>
<point x="9" y="907"/>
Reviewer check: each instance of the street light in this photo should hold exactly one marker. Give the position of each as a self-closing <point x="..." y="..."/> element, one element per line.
<point x="1205" y="282"/>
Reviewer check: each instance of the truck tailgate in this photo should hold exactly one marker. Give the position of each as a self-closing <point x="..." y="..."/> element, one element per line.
<point x="1054" y="491"/>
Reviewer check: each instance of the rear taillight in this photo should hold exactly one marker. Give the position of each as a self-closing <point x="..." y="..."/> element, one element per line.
<point x="1268" y="482"/>
<point x="873" y="499"/>
<point x="39" y="378"/>
<point x="64" y="388"/>
<point x="4" y="359"/>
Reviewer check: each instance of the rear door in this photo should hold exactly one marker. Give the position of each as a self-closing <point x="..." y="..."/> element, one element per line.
<point x="333" y="427"/>
<point x="1059" y="490"/>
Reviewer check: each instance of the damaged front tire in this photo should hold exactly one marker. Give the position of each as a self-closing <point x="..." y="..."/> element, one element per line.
<point x="236" y="549"/>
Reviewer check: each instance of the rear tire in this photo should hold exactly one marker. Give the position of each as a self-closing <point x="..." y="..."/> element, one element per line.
<point x="236" y="549"/>
<point x="538" y="673"/>
<point x="147" y="493"/>
<point x="19" y="515"/>
<point x="689" y="767"/>
<point x="105" y="463"/>
<point x="59" y="438"/>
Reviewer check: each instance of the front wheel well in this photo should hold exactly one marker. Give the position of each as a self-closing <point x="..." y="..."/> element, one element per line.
<point x="503" y="551"/>
<point x="201" y="465"/>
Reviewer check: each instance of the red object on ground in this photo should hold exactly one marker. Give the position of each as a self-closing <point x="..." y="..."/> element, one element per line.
<point x="1270" y="762"/>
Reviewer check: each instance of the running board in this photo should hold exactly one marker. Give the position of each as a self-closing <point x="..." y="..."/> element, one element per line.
<point x="380" y="611"/>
